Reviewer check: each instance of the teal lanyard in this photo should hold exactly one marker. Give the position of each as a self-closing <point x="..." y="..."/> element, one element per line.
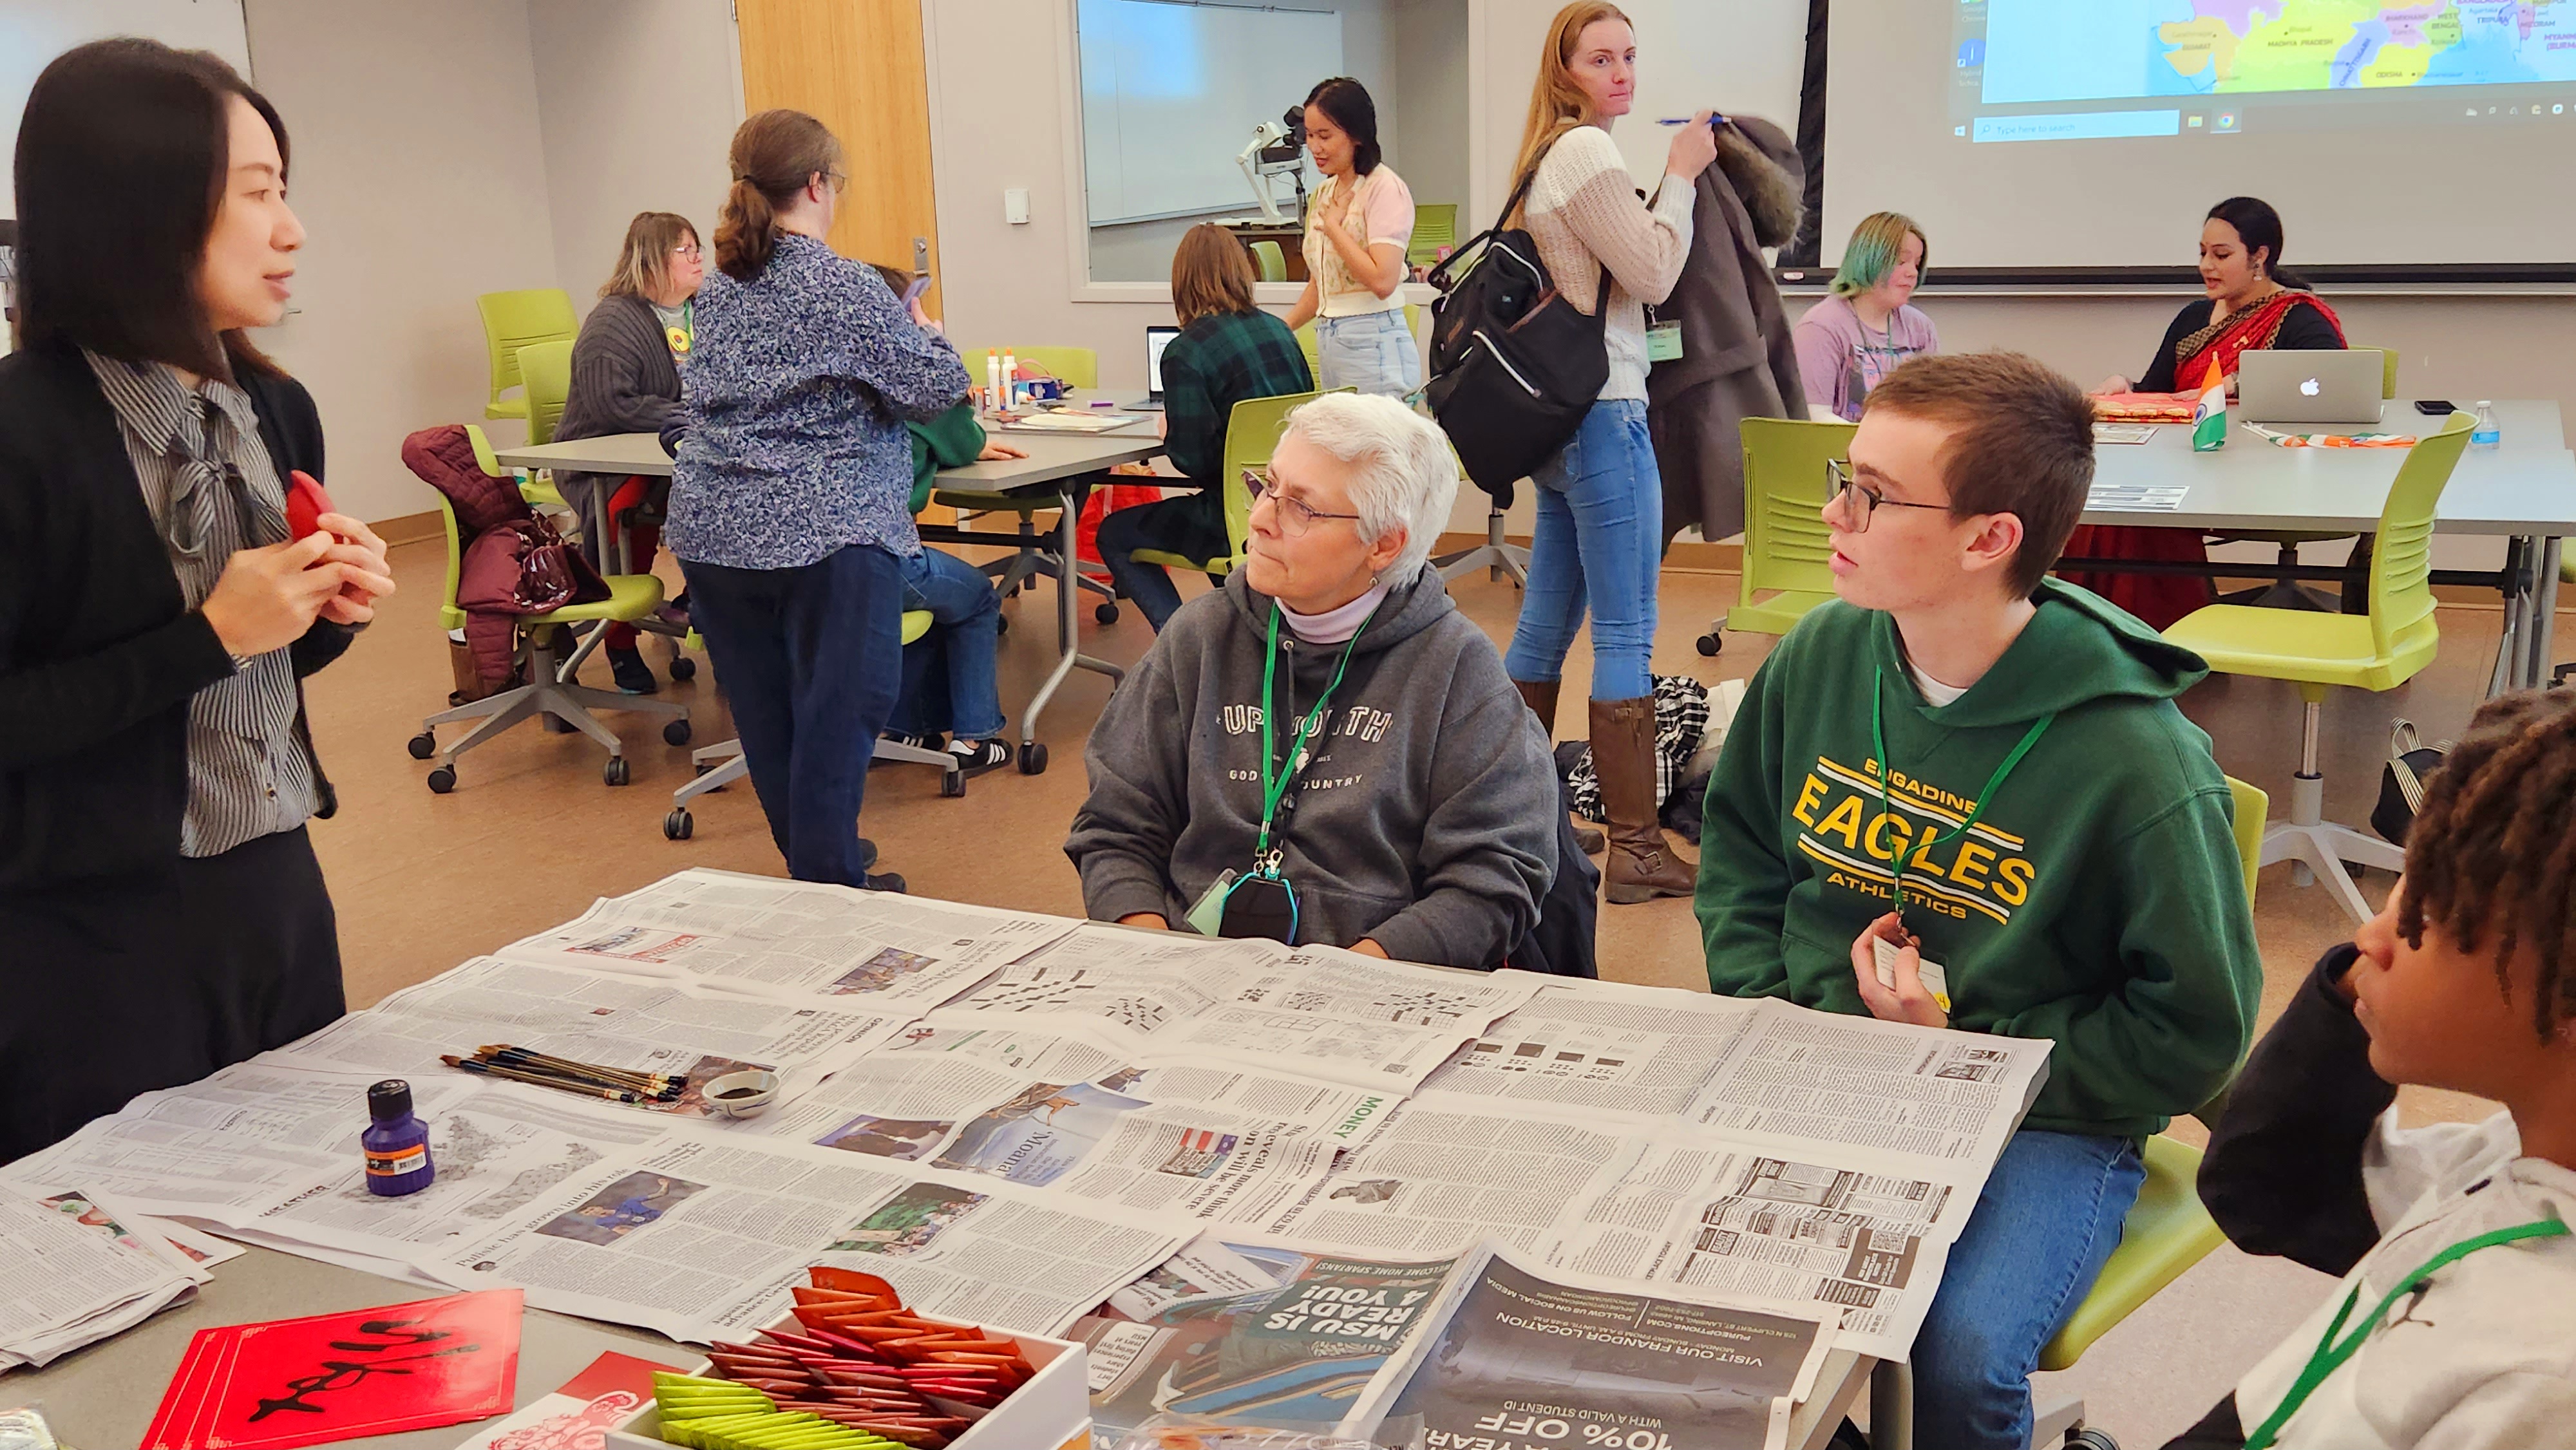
<point x="1275" y="778"/>
<point x="1995" y="782"/>
<point x="2330" y="1355"/>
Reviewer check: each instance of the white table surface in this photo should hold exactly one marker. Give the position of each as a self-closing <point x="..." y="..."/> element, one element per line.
<point x="2525" y="486"/>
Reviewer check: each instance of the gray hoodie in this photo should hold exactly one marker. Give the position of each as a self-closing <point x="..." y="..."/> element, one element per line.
<point x="1426" y="822"/>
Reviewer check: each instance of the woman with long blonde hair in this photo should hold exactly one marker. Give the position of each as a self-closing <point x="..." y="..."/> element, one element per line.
<point x="1598" y="540"/>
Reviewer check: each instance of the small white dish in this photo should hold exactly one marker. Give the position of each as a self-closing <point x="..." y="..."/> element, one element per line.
<point x="741" y="1094"/>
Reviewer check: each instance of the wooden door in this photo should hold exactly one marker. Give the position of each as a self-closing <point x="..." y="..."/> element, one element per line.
<point x="857" y="66"/>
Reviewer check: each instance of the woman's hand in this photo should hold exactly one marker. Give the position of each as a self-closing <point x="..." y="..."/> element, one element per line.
<point x="1334" y="210"/>
<point x="1694" y="147"/>
<point x="1909" y="1001"/>
<point x="993" y="452"/>
<point x="2112" y="386"/>
<point x="369" y="577"/>
<point x="919" y="316"/>
<point x="267" y="598"/>
<point x="1149" y="920"/>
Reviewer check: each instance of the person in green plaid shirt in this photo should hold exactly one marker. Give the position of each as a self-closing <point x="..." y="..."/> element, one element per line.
<point x="1228" y="350"/>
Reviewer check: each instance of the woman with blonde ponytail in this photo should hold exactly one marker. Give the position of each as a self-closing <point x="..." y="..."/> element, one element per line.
<point x="790" y="496"/>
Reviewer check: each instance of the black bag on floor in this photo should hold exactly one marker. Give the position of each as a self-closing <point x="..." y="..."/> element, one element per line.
<point x="1513" y="366"/>
<point x="2401" y="782"/>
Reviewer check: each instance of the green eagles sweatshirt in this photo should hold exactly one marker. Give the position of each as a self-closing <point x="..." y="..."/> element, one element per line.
<point x="950" y="440"/>
<point x="2099" y="902"/>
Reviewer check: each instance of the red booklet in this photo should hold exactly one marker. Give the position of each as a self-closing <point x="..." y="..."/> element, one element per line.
<point x="334" y="1377"/>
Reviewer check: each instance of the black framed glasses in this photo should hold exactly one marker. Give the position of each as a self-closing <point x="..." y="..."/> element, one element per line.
<point x="1859" y="500"/>
<point x="1295" y="515"/>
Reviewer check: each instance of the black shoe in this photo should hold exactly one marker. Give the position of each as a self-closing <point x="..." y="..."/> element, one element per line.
<point x="633" y="676"/>
<point x="974" y="757"/>
<point x="882" y="881"/>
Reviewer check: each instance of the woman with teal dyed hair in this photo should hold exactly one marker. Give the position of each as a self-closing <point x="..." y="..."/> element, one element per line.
<point x="1849" y="341"/>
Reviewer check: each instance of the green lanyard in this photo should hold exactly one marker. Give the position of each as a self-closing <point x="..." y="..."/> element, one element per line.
<point x="2329" y="1356"/>
<point x="1995" y="782"/>
<point x="1275" y="779"/>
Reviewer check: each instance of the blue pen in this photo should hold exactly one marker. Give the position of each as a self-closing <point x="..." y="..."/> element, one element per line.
<point x="1715" y="119"/>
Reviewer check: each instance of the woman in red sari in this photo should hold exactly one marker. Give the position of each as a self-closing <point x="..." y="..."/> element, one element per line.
<point x="2253" y="303"/>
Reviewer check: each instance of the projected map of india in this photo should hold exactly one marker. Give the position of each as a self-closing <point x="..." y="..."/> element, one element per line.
<point x="2238" y="46"/>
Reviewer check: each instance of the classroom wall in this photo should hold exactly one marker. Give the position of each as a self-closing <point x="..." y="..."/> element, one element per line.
<point x="636" y="102"/>
<point x="1429" y="102"/>
<point x="417" y="178"/>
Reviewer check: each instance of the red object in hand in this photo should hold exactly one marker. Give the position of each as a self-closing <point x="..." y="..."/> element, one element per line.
<point x="306" y="503"/>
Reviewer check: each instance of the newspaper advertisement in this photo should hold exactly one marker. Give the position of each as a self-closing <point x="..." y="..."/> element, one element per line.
<point x="1528" y="1358"/>
<point x="1225" y="1171"/>
<point x="1440" y="1178"/>
<point x="1293" y="1354"/>
<point x="595" y="1017"/>
<point x="1000" y="1256"/>
<point x="1803" y="1076"/>
<point x="1348" y="1117"/>
<point x="766" y="935"/>
<point x="1828" y="1226"/>
<point x="64" y="1283"/>
<point x="1203" y="1266"/>
<point x="1641" y="1050"/>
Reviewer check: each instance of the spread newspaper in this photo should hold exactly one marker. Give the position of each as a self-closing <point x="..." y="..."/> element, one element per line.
<point x="1253" y="1178"/>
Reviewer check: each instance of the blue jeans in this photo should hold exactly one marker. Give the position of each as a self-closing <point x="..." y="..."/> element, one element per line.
<point x="1191" y="525"/>
<point x="1598" y="544"/>
<point x="967" y="616"/>
<point x="2046" y="1221"/>
<point x="1373" y="352"/>
<point x="811" y="659"/>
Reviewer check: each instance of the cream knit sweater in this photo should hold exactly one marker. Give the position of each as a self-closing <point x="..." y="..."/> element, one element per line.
<point x="1583" y="213"/>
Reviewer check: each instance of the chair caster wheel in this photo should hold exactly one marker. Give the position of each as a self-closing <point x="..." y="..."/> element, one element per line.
<point x="442" y="780"/>
<point x="615" y="772"/>
<point x="1106" y="613"/>
<point x="1710" y="644"/>
<point x="953" y="783"/>
<point x="683" y="668"/>
<point x="1033" y="758"/>
<point x="422" y="746"/>
<point x="2091" y="1440"/>
<point x="1002" y="624"/>
<point x="676" y="732"/>
<point x="678" y="826"/>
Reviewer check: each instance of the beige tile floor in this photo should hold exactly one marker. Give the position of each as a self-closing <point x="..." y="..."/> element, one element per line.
<point x="531" y="835"/>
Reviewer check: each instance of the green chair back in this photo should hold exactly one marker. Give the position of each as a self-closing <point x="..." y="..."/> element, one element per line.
<point x="1251" y="435"/>
<point x="1435" y="225"/>
<point x="546" y="369"/>
<point x="1787" y="553"/>
<point x="2253" y="808"/>
<point x="2401" y="565"/>
<point x="1269" y="261"/>
<point x="2387" y="368"/>
<point x="511" y="321"/>
<point x="1079" y="367"/>
<point x="449" y="615"/>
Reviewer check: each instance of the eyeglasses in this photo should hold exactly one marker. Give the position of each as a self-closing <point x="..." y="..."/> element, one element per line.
<point x="690" y="251"/>
<point x="1295" y="515"/>
<point x="1859" y="500"/>
<point x="840" y="181"/>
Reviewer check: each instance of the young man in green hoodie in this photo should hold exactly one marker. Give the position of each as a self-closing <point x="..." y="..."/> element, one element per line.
<point x="1983" y="767"/>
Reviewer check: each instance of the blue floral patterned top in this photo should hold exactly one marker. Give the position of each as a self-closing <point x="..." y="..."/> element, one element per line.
<point x="798" y="386"/>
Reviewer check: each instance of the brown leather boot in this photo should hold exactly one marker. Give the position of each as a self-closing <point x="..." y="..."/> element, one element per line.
<point x="1641" y="865"/>
<point x="1541" y="698"/>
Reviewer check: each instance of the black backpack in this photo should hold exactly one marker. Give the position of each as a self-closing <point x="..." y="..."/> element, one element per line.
<point x="1514" y="367"/>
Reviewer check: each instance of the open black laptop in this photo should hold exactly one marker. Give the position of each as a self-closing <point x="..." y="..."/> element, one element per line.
<point x="1156" y="339"/>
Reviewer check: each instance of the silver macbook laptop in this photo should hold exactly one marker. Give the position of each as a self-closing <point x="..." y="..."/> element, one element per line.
<point x="1156" y="339"/>
<point x="2310" y="387"/>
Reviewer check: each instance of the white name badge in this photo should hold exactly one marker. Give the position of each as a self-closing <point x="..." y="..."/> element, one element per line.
<point x="1935" y="980"/>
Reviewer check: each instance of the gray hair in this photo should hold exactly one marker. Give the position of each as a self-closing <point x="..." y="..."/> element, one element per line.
<point x="1403" y="475"/>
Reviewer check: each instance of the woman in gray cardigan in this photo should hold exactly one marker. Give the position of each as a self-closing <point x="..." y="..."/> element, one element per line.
<point x="626" y="379"/>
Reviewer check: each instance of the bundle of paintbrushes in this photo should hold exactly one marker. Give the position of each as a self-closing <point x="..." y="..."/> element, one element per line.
<point x="866" y="1363"/>
<point x="589" y="1079"/>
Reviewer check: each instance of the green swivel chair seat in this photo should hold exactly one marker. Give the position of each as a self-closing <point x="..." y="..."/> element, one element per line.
<point x="1787" y="548"/>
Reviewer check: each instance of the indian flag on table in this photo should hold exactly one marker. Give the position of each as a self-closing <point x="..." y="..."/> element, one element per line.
<point x="2209" y="418"/>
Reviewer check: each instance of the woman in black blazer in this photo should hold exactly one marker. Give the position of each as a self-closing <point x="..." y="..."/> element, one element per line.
<point x="161" y="911"/>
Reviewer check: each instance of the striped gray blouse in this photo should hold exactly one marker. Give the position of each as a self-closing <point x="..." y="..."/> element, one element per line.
<point x="212" y="488"/>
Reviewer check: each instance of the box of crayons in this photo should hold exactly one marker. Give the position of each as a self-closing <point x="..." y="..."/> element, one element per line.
<point x="852" y="1369"/>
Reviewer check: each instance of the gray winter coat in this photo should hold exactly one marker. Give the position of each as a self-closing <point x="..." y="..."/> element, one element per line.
<point x="1426" y="822"/>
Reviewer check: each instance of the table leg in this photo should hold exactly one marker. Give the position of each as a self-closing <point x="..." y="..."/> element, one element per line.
<point x="1068" y="622"/>
<point x="2542" y="621"/>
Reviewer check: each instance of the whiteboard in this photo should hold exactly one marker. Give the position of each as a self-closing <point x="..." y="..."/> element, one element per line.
<point x="1171" y="92"/>
<point x="33" y="32"/>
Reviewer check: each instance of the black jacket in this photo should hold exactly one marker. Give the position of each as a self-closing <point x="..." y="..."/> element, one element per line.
<point x="99" y="654"/>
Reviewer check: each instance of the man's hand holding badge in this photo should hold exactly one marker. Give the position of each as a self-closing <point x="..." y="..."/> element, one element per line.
<point x="1896" y="983"/>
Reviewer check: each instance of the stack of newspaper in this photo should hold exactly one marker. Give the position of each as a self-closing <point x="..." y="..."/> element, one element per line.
<point x="73" y="1272"/>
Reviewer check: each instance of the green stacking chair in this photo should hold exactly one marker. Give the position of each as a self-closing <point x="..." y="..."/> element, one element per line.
<point x="512" y="320"/>
<point x="1786" y="551"/>
<point x="1269" y="261"/>
<point x="1251" y="435"/>
<point x="546" y="369"/>
<point x="2377" y="651"/>
<point x="551" y="688"/>
<point x="1078" y="367"/>
<point x="1435" y="225"/>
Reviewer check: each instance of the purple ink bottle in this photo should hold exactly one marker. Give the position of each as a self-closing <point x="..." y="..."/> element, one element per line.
<point x="396" y="1143"/>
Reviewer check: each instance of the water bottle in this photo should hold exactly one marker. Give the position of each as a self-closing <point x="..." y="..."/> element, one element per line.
<point x="2483" y="433"/>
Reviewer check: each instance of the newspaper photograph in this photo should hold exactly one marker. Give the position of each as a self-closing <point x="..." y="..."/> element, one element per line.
<point x="1222" y="1170"/>
<point x="1203" y="1266"/>
<point x="1529" y="1358"/>
<point x="1296" y="1355"/>
<point x="595" y="1017"/>
<point x="1039" y="1134"/>
<point x="1642" y="1050"/>
<point x="767" y="935"/>
<point x="1829" y="1227"/>
<point x="901" y="1105"/>
<point x="999" y="1256"/>
<point x="1806" y="1076"/>
<point x="1439" y="1179"/>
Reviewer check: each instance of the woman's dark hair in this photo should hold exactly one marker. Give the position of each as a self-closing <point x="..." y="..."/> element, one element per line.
<point x="123" y="156"/>
<point x="775" y="155"/>
<point x="1346" y="103"/>
<point x="2260" y="227"/>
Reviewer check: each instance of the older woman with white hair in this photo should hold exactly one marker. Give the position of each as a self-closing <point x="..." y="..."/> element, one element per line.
<point x="1326" y="750"/>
